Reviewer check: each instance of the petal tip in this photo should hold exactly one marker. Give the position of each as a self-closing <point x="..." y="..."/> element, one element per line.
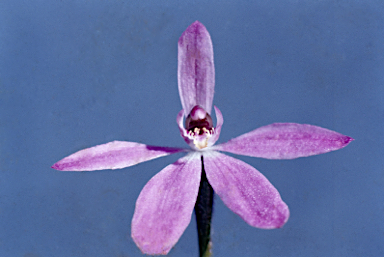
<point x="196" y="24"/>
<point x="55" y="166"/>
<point x="58" y="166"/>
<point x="150" y="249"/>
<point x="344" y="141"/>
<point x="284" y="216"/>
<point x="278" y="218"/>
<point x="62" y="166"/>
<point x="65" y="165"/>
<point x="348" y="140"/>
<point x="195" y="28"/>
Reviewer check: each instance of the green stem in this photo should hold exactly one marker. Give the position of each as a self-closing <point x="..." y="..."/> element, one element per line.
<point x="203" y="211"/>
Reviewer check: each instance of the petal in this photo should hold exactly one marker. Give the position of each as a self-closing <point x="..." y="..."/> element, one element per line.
<point x="245" y="191"/>
<point x="165" y="205"/>
<point x="286" y="141"/>
<point x="113" y="155"/>
<point x="219" y="123"/>
<point x="196" y="72"/>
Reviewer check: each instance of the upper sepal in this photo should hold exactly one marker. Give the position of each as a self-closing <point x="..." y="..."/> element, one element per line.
<point x="196" y="71"/>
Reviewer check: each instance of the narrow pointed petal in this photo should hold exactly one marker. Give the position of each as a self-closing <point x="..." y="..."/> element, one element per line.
<point x="245" y="191"/>
<point x="219" y="124"/>
<point x="196" y="71"/>
<point x="286" y="141"/>
<point x="165" y="205"/>
<point x="113" y="155"/>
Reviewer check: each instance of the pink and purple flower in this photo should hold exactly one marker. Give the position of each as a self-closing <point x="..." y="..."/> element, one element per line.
<point x="165" y="205"/>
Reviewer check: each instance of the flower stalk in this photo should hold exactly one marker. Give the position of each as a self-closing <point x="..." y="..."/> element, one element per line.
<point x="203" y="212"/>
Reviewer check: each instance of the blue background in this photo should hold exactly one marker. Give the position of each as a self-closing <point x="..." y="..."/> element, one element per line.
<point x="74" y="74"/>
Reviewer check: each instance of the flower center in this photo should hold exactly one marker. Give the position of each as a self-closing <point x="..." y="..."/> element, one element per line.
<point x="199" y="126"/>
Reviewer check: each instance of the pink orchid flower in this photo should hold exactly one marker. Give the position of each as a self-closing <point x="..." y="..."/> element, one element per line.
<point x="165" y="205"/>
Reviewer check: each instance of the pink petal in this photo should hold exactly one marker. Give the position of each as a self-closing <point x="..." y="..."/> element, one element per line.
<point x="285" y="141"/>
<point x="245" y="191"/>
<point x="219" y="123"/>
<point x="113" y="155"/>
<point x="165" y="205"/>
<point x="196" y="72"/>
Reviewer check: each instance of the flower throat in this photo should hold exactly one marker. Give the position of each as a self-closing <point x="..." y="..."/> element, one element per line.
<point x="199" y="126"/>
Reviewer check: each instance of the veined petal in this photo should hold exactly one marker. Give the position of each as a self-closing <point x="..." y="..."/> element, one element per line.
<point x="196" y="71"/>
<point x="245" y="191"/>
<point x="165" y="205"/>
<point x="113" y="155"/>
<point x="286" y="141"/>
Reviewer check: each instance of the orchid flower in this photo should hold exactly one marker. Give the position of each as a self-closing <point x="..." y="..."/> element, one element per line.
<point x="165" y="204"/>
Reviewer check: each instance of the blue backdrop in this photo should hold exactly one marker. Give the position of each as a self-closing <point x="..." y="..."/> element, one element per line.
<point x="74" y="74"/>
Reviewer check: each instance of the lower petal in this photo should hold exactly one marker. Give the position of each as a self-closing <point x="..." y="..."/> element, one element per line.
<point x="245" y="191"/>
<point x="165" y="205"/>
